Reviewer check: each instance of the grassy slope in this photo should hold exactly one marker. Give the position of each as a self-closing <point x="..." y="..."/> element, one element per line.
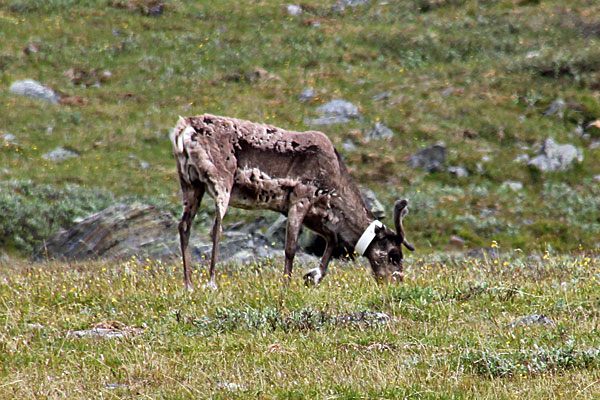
<point x="447" y="336"/>
<point x="499" y="55"/>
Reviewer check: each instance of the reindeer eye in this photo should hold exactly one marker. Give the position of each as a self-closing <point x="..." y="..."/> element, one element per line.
<point x="395" y="256"/>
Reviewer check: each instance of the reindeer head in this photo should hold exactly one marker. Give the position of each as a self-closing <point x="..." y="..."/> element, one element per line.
<point x="385" y="251"/>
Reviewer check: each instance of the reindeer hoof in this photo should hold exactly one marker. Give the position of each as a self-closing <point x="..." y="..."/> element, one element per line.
<point x="313" y="277"/>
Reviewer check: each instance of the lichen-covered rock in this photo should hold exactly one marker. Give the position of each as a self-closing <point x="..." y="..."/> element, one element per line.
<point x="118" y="232"/>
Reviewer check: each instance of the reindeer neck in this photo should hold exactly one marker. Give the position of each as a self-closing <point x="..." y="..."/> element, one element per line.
<point x="354" y="217"/>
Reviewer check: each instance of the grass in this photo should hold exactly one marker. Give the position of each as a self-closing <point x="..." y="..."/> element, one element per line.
<point x="478" y="75"/>
<point x="504" y="61"/>
<point x="441" y="334"/>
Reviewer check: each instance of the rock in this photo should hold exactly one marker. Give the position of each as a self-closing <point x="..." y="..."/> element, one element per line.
<point x="372" y="203"/>
<point x="335" y="112"/>
<point x="93" y="77"/>
<point x="511" y="185"/>
<point x="60" y="154"/>
<point x="35" y="90"/>
<point x="522" y="158"/>
<point x="339" y="107"/>
<point x="275" y="234"/>
<point x="535" y="319"/>
<point x="379" y="131"/>
<point x="258" y="74"/>
<point x="294" y="10"/>
<point x="307" y="95"/>
<point x="449" y="91"/>
<point x="555" y="157"/>
<point x="597" y="178"/>
<point x="382" y="96"/>
<point x="429" y="159"/>
<point x="118" y="232"/>
<point x="459" y="172"/>
<point x="342" y="4"/>
<point x="107" y="330"/>
<point x="486" y="253"/>
<point x="457" y="241"/>
<point x="348" y="145"/>
<point x="557" y="107"/>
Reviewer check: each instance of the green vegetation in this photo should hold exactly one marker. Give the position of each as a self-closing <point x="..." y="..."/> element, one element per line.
<point x="478" y="75"/>
<point x="444" y="333"/>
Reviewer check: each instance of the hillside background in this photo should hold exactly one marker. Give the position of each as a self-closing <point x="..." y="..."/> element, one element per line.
<point x="492" y="80"/>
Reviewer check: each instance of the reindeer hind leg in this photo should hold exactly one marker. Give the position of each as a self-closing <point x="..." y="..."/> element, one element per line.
<point x="192" y="197"/>
<point x="221" y="204"/>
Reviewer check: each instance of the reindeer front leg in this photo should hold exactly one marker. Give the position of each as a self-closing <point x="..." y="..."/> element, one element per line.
<point x="296" y="214"/>
<point x="315" y="275"/>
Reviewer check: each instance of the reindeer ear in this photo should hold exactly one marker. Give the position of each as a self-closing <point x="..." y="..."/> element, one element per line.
<point x="400" y="211"/>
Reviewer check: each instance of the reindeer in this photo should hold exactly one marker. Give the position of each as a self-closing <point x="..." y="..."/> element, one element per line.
<point x="299" y="174"/>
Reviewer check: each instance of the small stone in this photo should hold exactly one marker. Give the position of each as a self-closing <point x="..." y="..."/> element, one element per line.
<point x="522" y="158"/>
<point x="60" y="154"/>
<point x="34" y="90"/>
<point x="457" y="241"/>
<point x="144" y="165"/>
<point x="380" y="131"/>
<point x="459" y="172"/>
<point x="349" y="146"/>
<point x="429" y="159"/>
<point x="382" y="96"/>
<point x="511" y="185"/>
<point x="307" y="95"/>
<point x="372" y="203"/>
<point x="557" y="107"/>
<point x="9" y="138"/>
<point x="535" y="319"/>
<point x="339" y="108"/>
<point x="335" y="112"/>
<point x="294" y="10"/>
<point x="597" y="178"/>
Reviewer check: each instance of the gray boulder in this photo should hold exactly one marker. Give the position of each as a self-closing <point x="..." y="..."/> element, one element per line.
<point x="34" y="90"/>
<point x="556" y="157"/>
<point x="429" y="159"/>
<point x="118" y="232"/>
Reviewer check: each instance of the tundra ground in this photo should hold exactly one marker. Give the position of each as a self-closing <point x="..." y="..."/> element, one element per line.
<point x="128" y="330"/>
